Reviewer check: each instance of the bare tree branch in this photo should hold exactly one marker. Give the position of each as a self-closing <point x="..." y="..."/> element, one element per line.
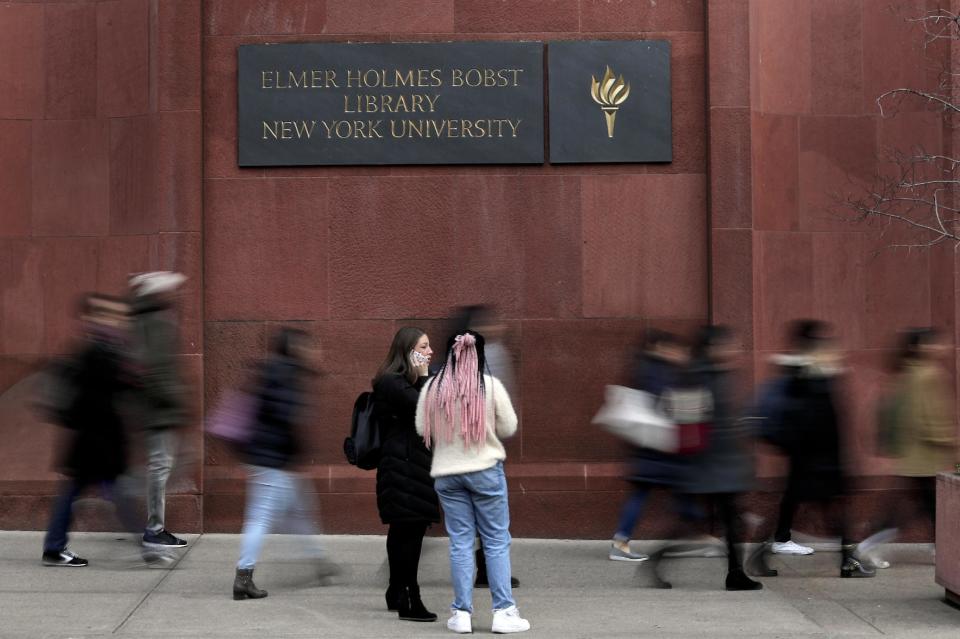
<point x="915" y="195"/>
<point x="945" y="103"/>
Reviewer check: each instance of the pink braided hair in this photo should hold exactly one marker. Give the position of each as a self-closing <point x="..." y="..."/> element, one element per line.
<point x="458" y="380"/>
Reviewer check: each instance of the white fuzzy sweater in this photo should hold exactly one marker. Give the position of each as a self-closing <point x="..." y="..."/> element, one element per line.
<point x="454" y="458"/>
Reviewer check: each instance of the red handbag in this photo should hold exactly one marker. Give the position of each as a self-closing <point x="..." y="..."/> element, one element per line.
<point x="691" y="409"/>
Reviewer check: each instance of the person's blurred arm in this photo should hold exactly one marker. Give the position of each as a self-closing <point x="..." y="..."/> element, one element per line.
<point x="158" y="362"/>
<point x="505" y="416"/>
<point x="937" y="425"/>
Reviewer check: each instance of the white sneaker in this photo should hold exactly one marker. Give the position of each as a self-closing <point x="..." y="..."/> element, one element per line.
<point x="509" y="620"/>
<point x="790" y="548"/>
<point x="460" y="622"/>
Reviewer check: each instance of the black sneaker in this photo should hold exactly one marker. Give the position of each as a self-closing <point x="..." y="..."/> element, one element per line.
<point x="162" y="539"/>
<point x="63" y="558"/>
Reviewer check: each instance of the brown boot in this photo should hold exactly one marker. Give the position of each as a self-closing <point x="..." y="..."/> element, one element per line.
<point x="243" y="586"/>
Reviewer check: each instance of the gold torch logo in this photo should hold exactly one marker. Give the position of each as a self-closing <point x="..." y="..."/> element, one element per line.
<point x="610" y="92"/>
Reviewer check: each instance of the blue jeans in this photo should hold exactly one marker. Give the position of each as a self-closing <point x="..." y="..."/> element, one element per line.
<point x="684" y="505"/>
<point x="62" y="513"/>
<point x="274" y="494"/>
<point x="630" y="513"/>
<point x="477" y="503"/>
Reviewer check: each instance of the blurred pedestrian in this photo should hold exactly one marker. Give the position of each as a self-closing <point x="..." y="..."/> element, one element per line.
<point x="927" y="432"/>
<point x="658" y="368"/>
<point x="97" y="450"/>
<point x="405" y="495"/>
<point x="483" y="319"/>
<point x="161" y="400"/>
<point x="462" y="415"/>
<point x="916" y="424"/>
<point x="809" y="432"/>
<point x="275" y="491"/>
<point x="723" y="470"/>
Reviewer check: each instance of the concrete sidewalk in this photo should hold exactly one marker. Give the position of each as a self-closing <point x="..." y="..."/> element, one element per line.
<point x="569" y="589"/>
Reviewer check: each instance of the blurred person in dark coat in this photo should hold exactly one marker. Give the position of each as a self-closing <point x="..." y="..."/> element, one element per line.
<point x="275" y="491"/>
<point x="161" y="400"/>
<point x="97" y="450"/>
<point x="810" y="435"/>
<point x="483" y="319"/>
<point x="658" y="368"/>
<point x="724" y="469"/>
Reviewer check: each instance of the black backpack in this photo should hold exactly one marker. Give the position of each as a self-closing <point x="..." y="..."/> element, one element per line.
<point x="362" y="447"/>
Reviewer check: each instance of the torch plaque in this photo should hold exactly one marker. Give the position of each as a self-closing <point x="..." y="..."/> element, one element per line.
<point x="610" y="101"/>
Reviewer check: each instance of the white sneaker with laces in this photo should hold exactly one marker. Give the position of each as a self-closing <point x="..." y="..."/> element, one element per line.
<point x="790" y="548"/>
<point x="508" y="620"/>
<point x="460" y="621"/>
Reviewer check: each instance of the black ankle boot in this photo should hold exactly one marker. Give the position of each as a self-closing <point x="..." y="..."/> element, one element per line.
<point x="854" y="568"/>
<point x="653" y="565"/>
<point x="243" y="586"/>
<point x="756" y="563"/>
<point x="393" y="598"/>
<point x="738" y="580"/>
<point x="411" y="608"/>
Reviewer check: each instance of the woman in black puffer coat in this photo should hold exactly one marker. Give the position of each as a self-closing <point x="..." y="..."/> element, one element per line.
<point x="405" y="496"/>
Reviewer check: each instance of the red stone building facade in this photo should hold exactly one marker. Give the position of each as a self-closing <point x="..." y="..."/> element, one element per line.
<point x="118" y="154"/>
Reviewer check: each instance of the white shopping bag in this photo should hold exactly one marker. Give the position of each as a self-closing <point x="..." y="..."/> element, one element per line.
<point x="631" y="414"/>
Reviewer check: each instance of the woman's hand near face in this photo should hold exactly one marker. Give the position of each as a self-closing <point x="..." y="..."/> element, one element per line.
<point x="420" y="357"/>
<point x="420" y="363"/>
<point x="422" y="368"/>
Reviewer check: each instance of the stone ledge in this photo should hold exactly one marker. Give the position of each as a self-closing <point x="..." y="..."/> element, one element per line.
<point x="948" y="543"/>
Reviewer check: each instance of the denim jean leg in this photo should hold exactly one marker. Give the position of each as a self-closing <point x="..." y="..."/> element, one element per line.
<point x="489" y="492"/>
<point x="56" y="537"/>
<point x="300" y="517"/>
<point x="630" y="512"/>
<point x="459" y="518"/>
<point x="159" y="445"/>
<point x="266" y="498"/>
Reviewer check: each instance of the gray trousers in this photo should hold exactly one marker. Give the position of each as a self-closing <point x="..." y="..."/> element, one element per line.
<point x="160" y="446"/>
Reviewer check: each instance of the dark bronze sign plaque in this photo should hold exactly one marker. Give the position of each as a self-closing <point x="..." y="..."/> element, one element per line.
<point x="610" y="101"/>
<point x="417" y="103"/>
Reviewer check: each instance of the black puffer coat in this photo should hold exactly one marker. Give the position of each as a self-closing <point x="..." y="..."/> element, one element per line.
<point x="812" y="432"/>
<point x="98" y="447"/>
<point x="280" y="401"/>
<point x="404" y="485"/>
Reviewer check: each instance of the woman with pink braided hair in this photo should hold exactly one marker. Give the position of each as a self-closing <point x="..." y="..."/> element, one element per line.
<point x="462" y="414"/>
